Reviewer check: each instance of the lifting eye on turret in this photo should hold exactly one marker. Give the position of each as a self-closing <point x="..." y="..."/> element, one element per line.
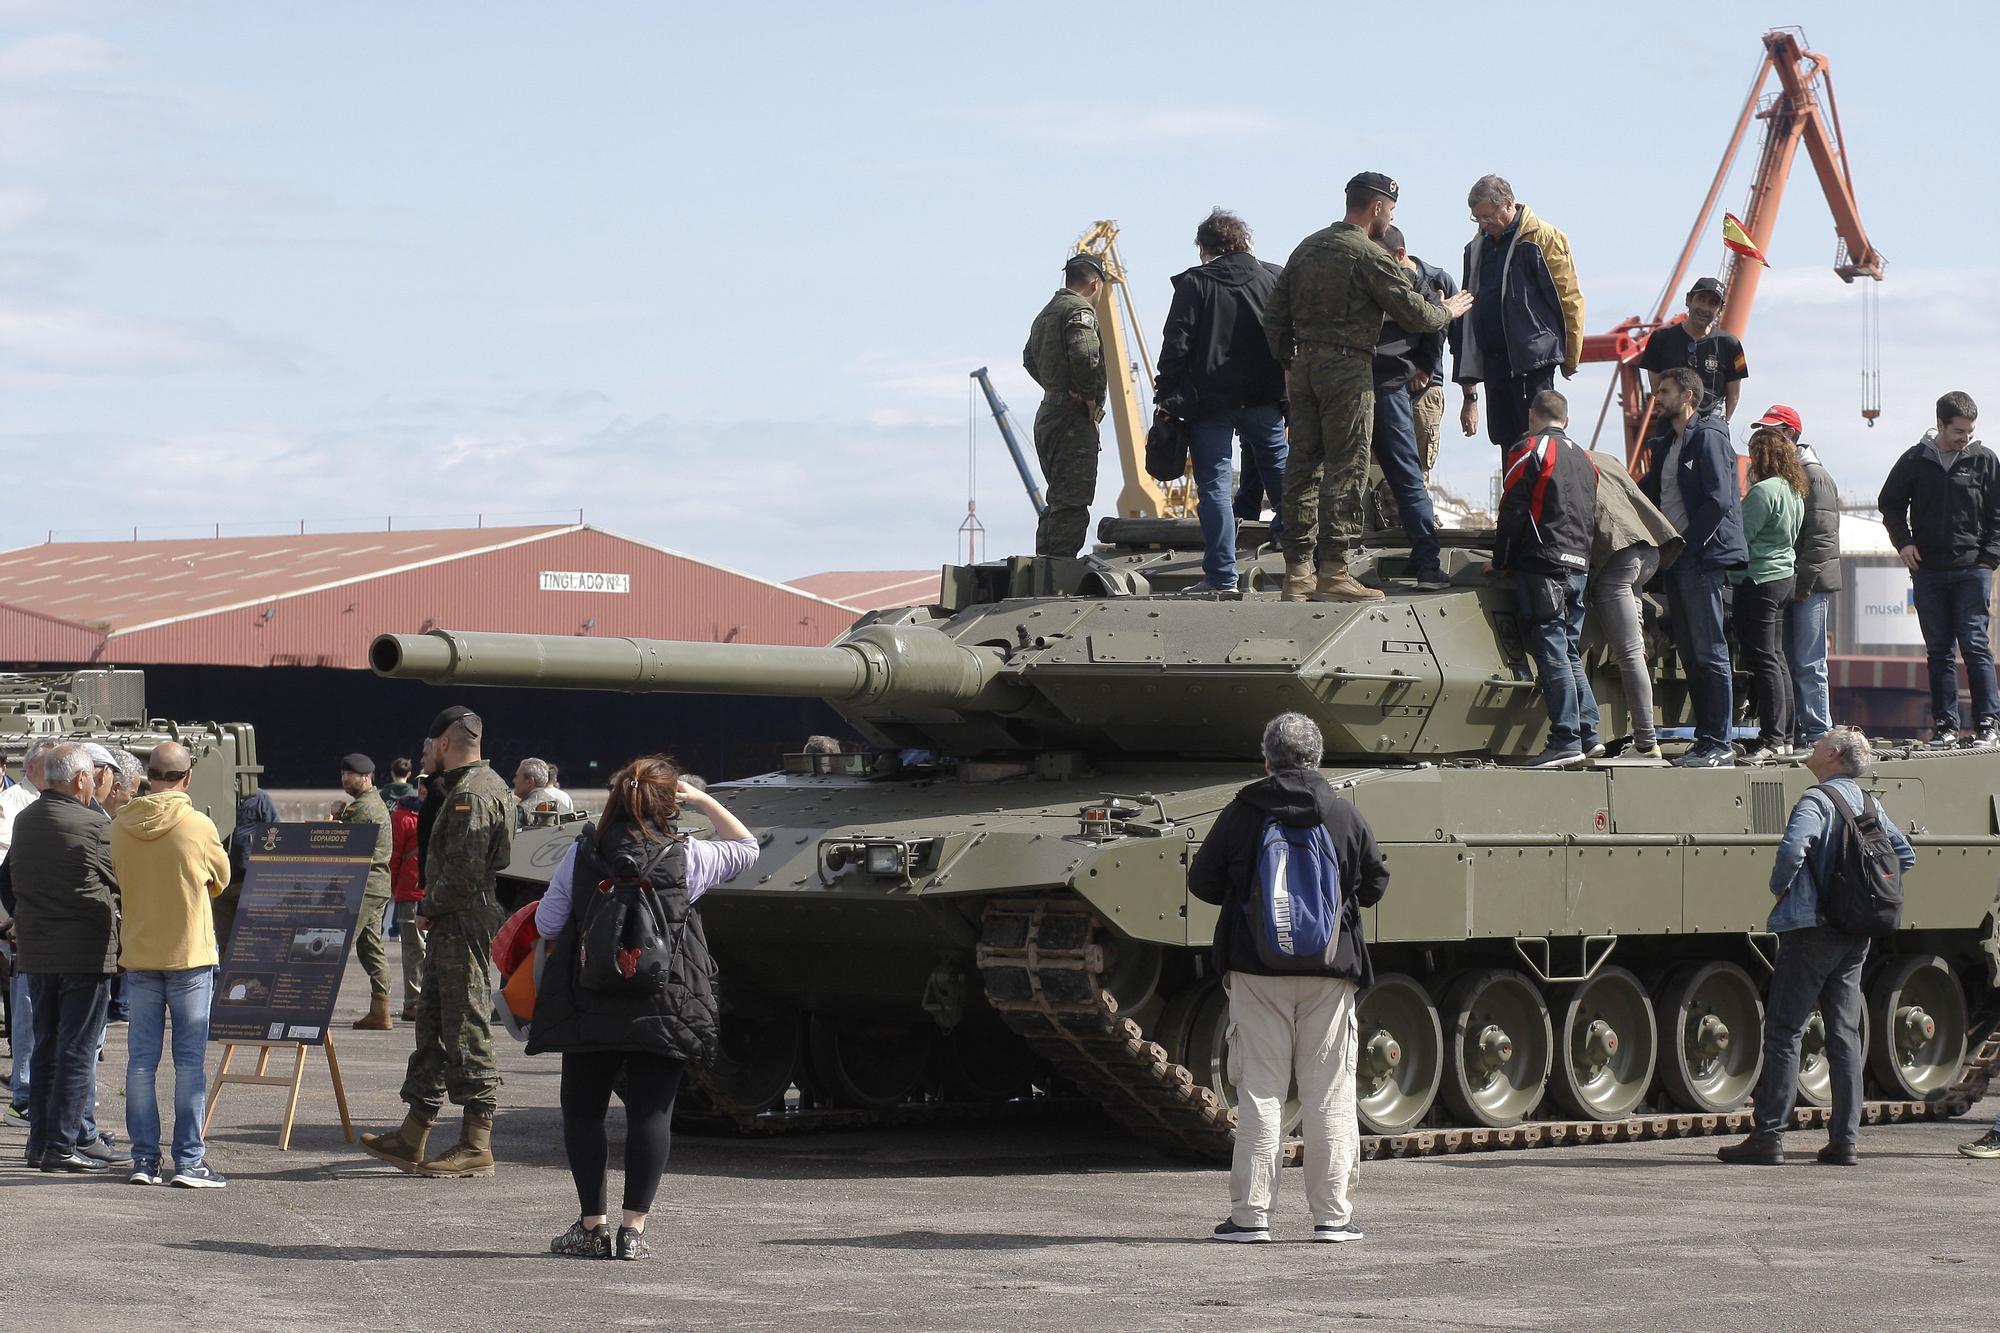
<point x="1106" y="820"/>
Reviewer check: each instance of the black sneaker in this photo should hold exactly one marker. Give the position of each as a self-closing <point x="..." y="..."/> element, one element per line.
<point x="1985" y="1147"/>
<point x="1711" y="756"/>
<point x="72" y="1163"/>
<point x="1839" y="1154"/>
<point x="1757" y="752"/>
<point x="144" y="1173"/>
<point x="200" y="1176"/>
<point x="1988" y="734"/>
<point x="1326" y="1233"/>
<point x="1227" y="1229"/>
<point x="1433" y="579"/>
<point x="104" y="1148"/>
<point x="1554" y="758"/>
<point x="631" y="1244"/>
<point x="1944" y="737"/>
<point x="1757" y="1150"/>
<point x="579" y="1243"/>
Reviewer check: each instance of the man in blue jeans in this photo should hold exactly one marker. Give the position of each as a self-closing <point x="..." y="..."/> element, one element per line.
<point x="170" y="863"/>
<point x="1218" y="375"/>
<point x="1819" y="967"/>
<point x="1941" y="505"/>
<point x="1547" y="518"/>
<point x="1691" y="475"/>
<point x="1407" y="364"/>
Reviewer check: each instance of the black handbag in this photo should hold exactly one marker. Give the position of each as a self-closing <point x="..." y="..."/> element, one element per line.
<point x="1167" y="448"/>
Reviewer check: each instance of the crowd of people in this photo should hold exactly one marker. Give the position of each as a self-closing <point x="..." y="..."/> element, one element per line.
<point x="1338" y="358"/>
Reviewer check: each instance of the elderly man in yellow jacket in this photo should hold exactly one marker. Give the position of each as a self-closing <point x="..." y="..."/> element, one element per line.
<point x="170" y="862"/>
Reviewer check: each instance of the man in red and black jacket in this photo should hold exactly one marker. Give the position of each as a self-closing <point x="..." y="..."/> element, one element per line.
<point x="1547" y="516"/>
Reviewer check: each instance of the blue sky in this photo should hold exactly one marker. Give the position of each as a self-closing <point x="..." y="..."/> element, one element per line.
<point x="717" y="274"/>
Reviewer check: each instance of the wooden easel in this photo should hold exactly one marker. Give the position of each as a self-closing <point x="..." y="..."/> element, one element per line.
<point x="263" y="1079"/>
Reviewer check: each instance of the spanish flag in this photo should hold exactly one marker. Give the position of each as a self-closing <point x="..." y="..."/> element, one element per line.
<point x="1735" y="236"/>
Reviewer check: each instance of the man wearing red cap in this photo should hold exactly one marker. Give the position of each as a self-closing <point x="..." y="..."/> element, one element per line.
<point x="1816" y="578"/>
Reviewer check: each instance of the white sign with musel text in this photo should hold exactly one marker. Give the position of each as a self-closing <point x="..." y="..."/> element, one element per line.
<point x="1885" y="612"/>
<point x="570" y="580"/>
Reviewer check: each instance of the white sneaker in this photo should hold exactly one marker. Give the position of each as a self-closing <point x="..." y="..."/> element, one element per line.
<point x="1328" y="1234"/>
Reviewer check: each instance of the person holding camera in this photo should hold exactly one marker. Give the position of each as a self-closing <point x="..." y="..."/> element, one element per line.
<point x="651" y="1013"/>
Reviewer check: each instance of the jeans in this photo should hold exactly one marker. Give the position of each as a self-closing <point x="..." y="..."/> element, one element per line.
<point x="1694" y="594"/>
<point x="1283" y="1029"/>
<point x="1262" y="430"/>
<point x="154" y="997"/>
<point x="1507" y="399"/>
<point x="1759" y="613"/>
<point x="1818" y="968"/>
<point x="1403" y="468"/>
<point x="1805" y="650"/>
<point x="69" y="1021"/>
<point x="21" y="1005"/>
<point x="1555" y="644"/>
<point x="1615" y="592"/>
<point x="1951" y="609"/>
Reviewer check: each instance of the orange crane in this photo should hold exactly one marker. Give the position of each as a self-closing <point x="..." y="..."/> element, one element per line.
<point x="1801" y="110"/>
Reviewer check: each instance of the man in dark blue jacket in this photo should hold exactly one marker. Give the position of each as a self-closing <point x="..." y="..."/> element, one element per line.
<point x="1218" y="375"/>
<point x="1691" y="475"/>
<point x="1528" y="314"/>
<point x="1406" y="365"/>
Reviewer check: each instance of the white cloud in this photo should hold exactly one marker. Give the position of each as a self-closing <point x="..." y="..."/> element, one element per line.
<point x="57" y="55"/>
<point x="78" y="340"/>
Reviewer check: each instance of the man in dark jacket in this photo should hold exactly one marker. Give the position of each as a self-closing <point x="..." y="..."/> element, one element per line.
<point x="1292" y="1024"/>
<point x="1218" y="375"/>
<point x="1529" y="313"/>
<point x="1548" y="516"/>
<point x="1691" y="475"/>
<point x="1941" y="504"/>
<point x="1816" y="571"/>
<point x="1406" y="362"/>
<point x="66" y="924"/>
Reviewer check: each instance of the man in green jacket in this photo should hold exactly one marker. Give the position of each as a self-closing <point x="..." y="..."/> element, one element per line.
<point x="1066" y="358"/>
<point x="365" y="806"/>
<point x="1323" y="321"/>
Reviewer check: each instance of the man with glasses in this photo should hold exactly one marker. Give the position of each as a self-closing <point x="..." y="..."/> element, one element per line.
<point x="170" y="862"/>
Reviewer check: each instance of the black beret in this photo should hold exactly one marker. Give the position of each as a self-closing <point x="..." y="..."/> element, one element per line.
<point x="1376" y="181"/>
<point x="442" y="722"/>
<point x="357" y="763"/>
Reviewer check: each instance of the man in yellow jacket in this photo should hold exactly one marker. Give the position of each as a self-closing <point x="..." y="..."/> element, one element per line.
<point x="170" y="861"/>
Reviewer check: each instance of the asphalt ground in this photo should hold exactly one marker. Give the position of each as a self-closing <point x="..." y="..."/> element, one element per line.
<point x="1052" y="1224"/>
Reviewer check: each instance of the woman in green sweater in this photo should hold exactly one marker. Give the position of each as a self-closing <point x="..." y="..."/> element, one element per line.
<point x="1772" y="514"/>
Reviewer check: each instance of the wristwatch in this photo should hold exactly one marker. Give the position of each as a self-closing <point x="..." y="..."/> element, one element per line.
<point x="1472" y="395"/>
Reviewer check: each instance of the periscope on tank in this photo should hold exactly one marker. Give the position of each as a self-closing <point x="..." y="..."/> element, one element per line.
<point x="247" y="988"/>
<point x="317" y="944"/>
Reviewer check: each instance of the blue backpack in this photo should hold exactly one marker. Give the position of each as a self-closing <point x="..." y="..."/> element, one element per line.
<point x="1294" y="908"/>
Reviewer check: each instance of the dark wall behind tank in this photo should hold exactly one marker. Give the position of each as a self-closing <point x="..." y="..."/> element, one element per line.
<point x="308" y="717"/>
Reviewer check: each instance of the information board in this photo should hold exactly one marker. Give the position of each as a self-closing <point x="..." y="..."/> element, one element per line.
<point x="1885" y="608"/>
<point x="294" y="928"/>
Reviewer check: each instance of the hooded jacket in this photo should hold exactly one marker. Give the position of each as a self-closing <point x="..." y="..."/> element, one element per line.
<point x="1224" y="869"/>
<point x="169" y="861"/>
<point x="1706" y="475"/>
<point x="254" y="813"/>
<point x="1816" y="558"/>
<point x="1949" y="511"/>
<point x="403" y="859"/>
<point x="65" y="892"/>
<point x="1541" y="306"/>
<point x="1213" y="354"/>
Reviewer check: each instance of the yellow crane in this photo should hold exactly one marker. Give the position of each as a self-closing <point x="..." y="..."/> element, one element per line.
<point x="1118" y="327"/>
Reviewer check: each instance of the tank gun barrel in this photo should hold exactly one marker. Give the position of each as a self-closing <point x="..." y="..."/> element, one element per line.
<point x="890" y="663"/>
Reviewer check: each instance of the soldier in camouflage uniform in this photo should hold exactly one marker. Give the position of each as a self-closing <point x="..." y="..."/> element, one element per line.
<point x="365" y="806"/>
<point x="1323" y="321"/>
<point x="1065" y="358"/>
<point x="471" y="842"/>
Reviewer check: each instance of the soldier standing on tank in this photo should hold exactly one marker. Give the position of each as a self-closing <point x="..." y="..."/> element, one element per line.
<point x="471" y="840"/>
<point x="1066" y="359"/>
<point x="365" y="806"/>
<point x="1324" y="320"/>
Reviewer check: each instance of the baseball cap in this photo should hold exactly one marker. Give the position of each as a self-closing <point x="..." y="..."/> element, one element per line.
<point x="457" y="712"/>
<point x="1709" y="285"/>
<point x="357" y="763"/>
<point x="1090" y="262"/>
<point x="99" y="756"/>
<point x="1376" y="181"/>
<point x="1777" y="414"/>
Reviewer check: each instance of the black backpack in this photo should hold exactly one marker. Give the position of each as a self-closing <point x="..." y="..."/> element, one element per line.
<point x="624" y="945"/>
<point x="1865" y="893"/>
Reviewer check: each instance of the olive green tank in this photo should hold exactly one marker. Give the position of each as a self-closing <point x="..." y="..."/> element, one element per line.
<point x="995" y="898"/>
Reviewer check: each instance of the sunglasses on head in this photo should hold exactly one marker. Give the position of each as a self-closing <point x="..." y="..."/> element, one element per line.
<point x="166" y="777"/>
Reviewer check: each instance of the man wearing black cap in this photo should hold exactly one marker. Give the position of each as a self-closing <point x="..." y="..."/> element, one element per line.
<point x="1065" y="358"/>
<point x="365" y="806"/>
<point x="1323" y="321"/>
<point x="470" y="843"/>
<point x="1699" y="345"/>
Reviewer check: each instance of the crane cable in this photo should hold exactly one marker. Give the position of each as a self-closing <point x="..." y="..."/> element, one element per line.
<point x="1871" y="353"/>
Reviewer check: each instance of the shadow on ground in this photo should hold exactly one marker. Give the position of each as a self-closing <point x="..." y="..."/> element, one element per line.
<point x="973" y="1240"/>
<point x="251" y="1249"/>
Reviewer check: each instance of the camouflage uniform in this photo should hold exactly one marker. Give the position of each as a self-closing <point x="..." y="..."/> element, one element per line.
<point x="367" y="808"/>
<point x="1064" y="356"/>
<point x="471" y="842"/>
<point x="1323" y="321"/>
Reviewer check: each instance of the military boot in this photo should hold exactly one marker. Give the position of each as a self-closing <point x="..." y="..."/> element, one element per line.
<point x="472" y="1155"/>
<point x="1337" y="585"/>
<point x="1298" y="580"/>
<point x="403" y="1146"/>
<point x="377" y="1017"/>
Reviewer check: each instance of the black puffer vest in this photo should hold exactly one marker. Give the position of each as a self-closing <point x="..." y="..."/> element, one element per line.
<point x="677" y="1021"/>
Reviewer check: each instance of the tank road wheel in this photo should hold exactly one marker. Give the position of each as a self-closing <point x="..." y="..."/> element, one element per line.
<point x="1199" y="1016"/>
<point x="981" y="1060"/>
<point x="1132" y="971"/>
<point x="757" y="1064"/>
<point x="1606" y="1046"/>
<point x="1401" y="1056"/>
<point x="1711" y="1037"/>
<point x="1497" y="1048"/>
<point x="1815" y="1070"/>
<point x="1918" y="1014"/>
<point x="868" y="1066"/>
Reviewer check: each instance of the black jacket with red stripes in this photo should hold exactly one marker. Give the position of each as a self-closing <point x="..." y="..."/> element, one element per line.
<point x="1549" y="507"/>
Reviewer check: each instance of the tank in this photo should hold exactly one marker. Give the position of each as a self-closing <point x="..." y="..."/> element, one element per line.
<point x="108" y="706"/>
<point x="994" y="898"/>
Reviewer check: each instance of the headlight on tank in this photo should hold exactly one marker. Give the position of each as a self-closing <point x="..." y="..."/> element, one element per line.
<point x="888" y="858"/>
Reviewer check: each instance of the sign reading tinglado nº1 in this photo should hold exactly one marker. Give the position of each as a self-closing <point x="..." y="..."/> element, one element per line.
<point x="294" y="927"/>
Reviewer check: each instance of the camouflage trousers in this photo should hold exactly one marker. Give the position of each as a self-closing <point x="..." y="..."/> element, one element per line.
<point x="1332" y="415"/>
<point x="454" y="1054"/>
<point x="1428" y="408"/>
<point x="368" y="946"/>
<point x="1066" y="444"/>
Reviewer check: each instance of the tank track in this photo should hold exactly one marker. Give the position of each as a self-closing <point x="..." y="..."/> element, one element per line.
<point x="703" y="1118"/>
<point x="1041" y="965"/>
